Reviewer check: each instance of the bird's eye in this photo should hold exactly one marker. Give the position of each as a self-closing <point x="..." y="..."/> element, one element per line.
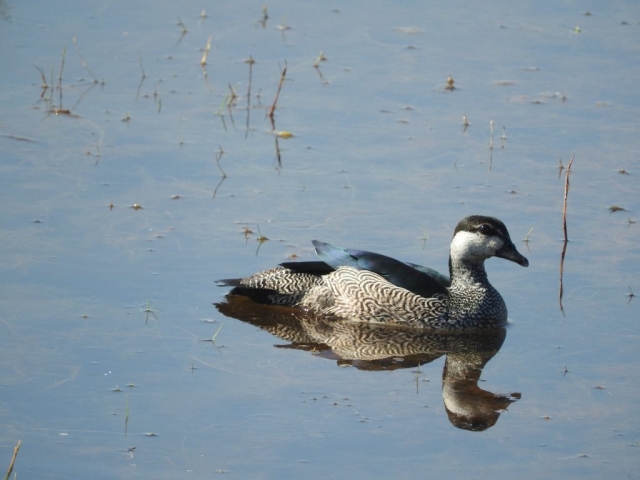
<point x="485" y="229"/>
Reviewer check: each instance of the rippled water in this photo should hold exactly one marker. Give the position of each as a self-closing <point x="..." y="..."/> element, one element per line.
<point x="105" y="340"/>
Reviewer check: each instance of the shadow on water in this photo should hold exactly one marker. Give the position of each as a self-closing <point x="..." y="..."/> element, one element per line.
<point x="371" y="347"/>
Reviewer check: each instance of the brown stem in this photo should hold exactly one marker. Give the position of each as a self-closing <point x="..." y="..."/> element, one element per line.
<point x="566" y="194"/>
<point x="283" y="74"/>
<point x="564" y="227"/>
<point x="13" y="459"/>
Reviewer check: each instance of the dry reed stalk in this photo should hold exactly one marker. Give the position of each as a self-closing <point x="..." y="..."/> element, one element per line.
<point x="283" y="75"/>
<point x="564" y="228"/>
<point x="13" y="459"/>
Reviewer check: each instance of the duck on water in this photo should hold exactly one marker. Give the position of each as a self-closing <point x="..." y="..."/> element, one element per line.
<point x="370" y="287"/>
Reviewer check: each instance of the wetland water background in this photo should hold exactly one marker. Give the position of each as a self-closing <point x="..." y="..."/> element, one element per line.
<point x="95" y="386"/>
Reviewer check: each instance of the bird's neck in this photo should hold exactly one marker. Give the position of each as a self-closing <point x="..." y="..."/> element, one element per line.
<point x="471" y="294"/>
<point x="467" y="273"/>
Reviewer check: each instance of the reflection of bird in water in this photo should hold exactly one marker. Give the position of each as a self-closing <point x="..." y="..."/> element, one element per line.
<point x="372" y="288"/>
<point x="468" y="406"/>
<point x="369" y="346"/>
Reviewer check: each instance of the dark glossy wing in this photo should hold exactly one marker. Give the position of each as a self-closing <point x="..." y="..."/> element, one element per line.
<point x="419" y="280"/>
<point x="443" y="280"/>
<point x="313" y="268"/>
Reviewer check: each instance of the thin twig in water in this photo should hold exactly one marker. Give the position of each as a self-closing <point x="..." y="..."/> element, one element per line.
<point x="13" y="459"/>
<point x="83" y="95"/>
<point x="566" y="193"/>
<point x="265" y="17"/>
<point x="213" y="338"/>
<point x="218" y="156"/>
<point x="424" y="239"/>
<point x="320" y="58"/>
<point x="53" y="87"/>
<point x="220" y="111"/>
<point x="232" y="101"/>
<point x="526" y="238"/>
<point x="250" y="61"/>
<point x="630" y="295"/>
<point x="283" y="75"/>
<point x="233" y="96"/>
<point x="225" y="100"/>
<point x="564" y="228"/>
<point x="418" y="372"/>
<point x="207" y="47"/>
<point x="64" y="54"/>
<point x="215" y="190"/>
<point x="148" y="307"/>
<point x="560" y="168"/>
<point x="126" y="417"/>
<point x="142" y="79"/>
<point x="491" y="145"/>
<point x="316" y="65"/>
<point x="84" y="62"/>
<point x="278" y="155"/>
<point x="45" y="86"/>
<point x="261" y="239"/>
<point x="184" y="30"/>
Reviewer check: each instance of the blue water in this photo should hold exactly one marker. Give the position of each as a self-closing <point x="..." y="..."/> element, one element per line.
<point x="379" y="161"/>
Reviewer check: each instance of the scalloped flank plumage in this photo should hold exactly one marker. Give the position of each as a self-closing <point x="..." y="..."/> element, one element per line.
<point x="369" y="287"/>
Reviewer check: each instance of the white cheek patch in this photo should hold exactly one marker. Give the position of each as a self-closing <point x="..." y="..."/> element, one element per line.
<point x="470" y="245"/>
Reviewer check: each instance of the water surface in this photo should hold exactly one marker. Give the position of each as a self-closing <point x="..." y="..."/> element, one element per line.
<point x="105" y="307"/>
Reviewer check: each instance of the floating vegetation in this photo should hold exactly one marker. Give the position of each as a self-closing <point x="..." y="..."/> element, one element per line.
<point x="149" y="311"/>
<point x="616" y="208"/>
<point x="450" y="84"/>
<point x="408" y="30"/>
<point x="261" y="239"/>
